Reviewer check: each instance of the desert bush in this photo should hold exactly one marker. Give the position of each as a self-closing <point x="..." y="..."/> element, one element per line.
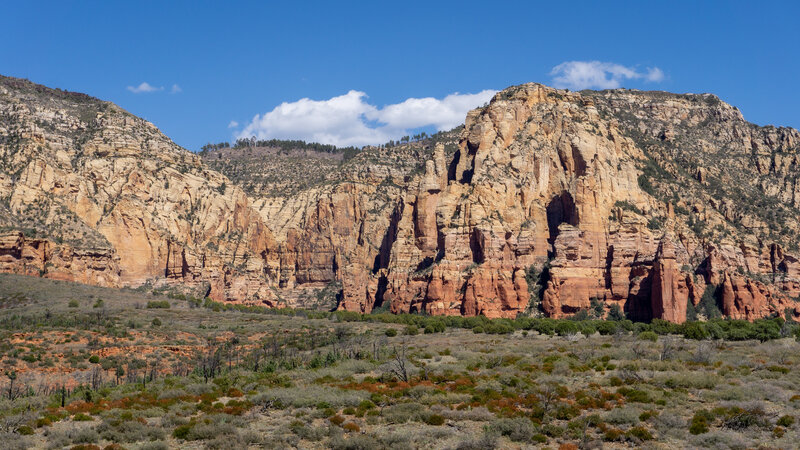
<point x="355" y="442"/>
<point x="171" y="393"/>
<point x="336" y="420"/>
<point x="85" y="436"/>
<point x="125" y="429"/>
<point x="786" y="421"/>
<point x="158" y="304"/>
<point x="13" y="441"/>
<point x="404" y="412"/>
<point x="199" y="389"/>
<point x="309" y="396"/>
<point x="24" y="430"/>
<point x="648" y="336"/>
<point x="479" y="414"/>
<point x="613" y="434"/>
<point x="486" y="441"/>
<point x="737" y="418"/>
<point x="172" y="419"/>
<point x="159" y="445"/>
<point x="351" y="427"/>
<point x="225" y="442"/>
<point x="720" y="439"/>
<point x="700" y="422"/>
<point x="639" y="433"/>
<point x="622" y="415"/>
<point x="518" y="429"/>
<point x="308" y="432"/>
<point x="670" y="423"/>
<point x="635" y="395"/>
<point x="435" y="420"/>
<point x="204" y="431"/>
<point x="694" y="380"/>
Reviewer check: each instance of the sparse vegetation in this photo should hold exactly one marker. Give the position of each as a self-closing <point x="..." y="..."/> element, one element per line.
<point x="233" y="375"/>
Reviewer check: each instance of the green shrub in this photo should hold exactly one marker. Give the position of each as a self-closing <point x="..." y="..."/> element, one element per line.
<point x="73" y="304"/>
<point x="566" y="412"/>
<point x="566" y="327"/>
<point x="639" y="432"/>
<point x="412" y="330"/>
<point x="635" y="395"/>
<point x="613" y="434"/>
<point x="25" y="430"/>
<point x="390" y="332"/>
<point x="786" y="421"/>
<point x="615" y="313"/>
<point x="648" y="336"/>
<point x="699" y="423"/>
<point x="647" y="415"/>
<point x="695" y="330"/>
<point x="94" y="359"/>
<point x="158" y="304"/>
<point x="708" y="303"/>
<point x="606" y="327"/>
<point x="435" y="419"/>
<point x="182" y="431"/>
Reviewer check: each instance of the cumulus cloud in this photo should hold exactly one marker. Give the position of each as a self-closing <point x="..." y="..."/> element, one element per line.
<point x="579" y="75"/>
<point x="350" y="120"/>
<point x="175" y="89"/>
<point x="144" y="88"/>
<point x="233" y="124"/>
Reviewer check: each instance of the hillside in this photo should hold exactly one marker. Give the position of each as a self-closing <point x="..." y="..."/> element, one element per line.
<point x="97" y="195"/>
<point x="110" y="368"/>
<point x="546" y="202"/>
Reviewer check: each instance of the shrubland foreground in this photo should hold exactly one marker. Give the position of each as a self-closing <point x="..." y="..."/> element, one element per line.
<point x="92" y="367"/>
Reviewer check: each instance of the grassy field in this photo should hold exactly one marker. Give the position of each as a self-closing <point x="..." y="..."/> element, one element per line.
<point x="88" y="366"/>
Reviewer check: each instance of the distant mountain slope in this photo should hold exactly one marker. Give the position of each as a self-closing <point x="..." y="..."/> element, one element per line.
<point x="545" y="202"/>
<point x="98" y="195"/>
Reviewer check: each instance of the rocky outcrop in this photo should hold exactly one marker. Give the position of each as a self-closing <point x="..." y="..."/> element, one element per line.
<point x="41" y="257"/>
<point x="544" y="181"/>
<point x="670" y="289"/>
<point x="90" y="175"/>
<point x="546" y="202"/>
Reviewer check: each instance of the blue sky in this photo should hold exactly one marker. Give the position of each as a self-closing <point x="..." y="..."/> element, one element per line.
<point x="235" y="60"/>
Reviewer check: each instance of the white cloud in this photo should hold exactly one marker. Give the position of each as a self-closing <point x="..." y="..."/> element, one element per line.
<point x="654" y="74"/>
<point x="233" y="124"/>
<point x="145" y="87"/>
<point x="579" y="75"/>
<point x="175" y="89"/>
<point x="349" y="120"/>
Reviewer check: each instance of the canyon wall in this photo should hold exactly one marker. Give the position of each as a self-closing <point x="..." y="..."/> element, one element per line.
<point x="546" y="202"/>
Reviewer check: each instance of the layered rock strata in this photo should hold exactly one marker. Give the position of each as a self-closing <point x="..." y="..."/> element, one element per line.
<point x="546" y="202"/>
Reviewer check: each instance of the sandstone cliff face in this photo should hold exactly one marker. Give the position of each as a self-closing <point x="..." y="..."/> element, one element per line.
<point x="132" y="199"/>
<point x="563" y="183"/>
<point x="41" y="257"/>
<point x="535" y="179"/>
<point x="546" y="202"/>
